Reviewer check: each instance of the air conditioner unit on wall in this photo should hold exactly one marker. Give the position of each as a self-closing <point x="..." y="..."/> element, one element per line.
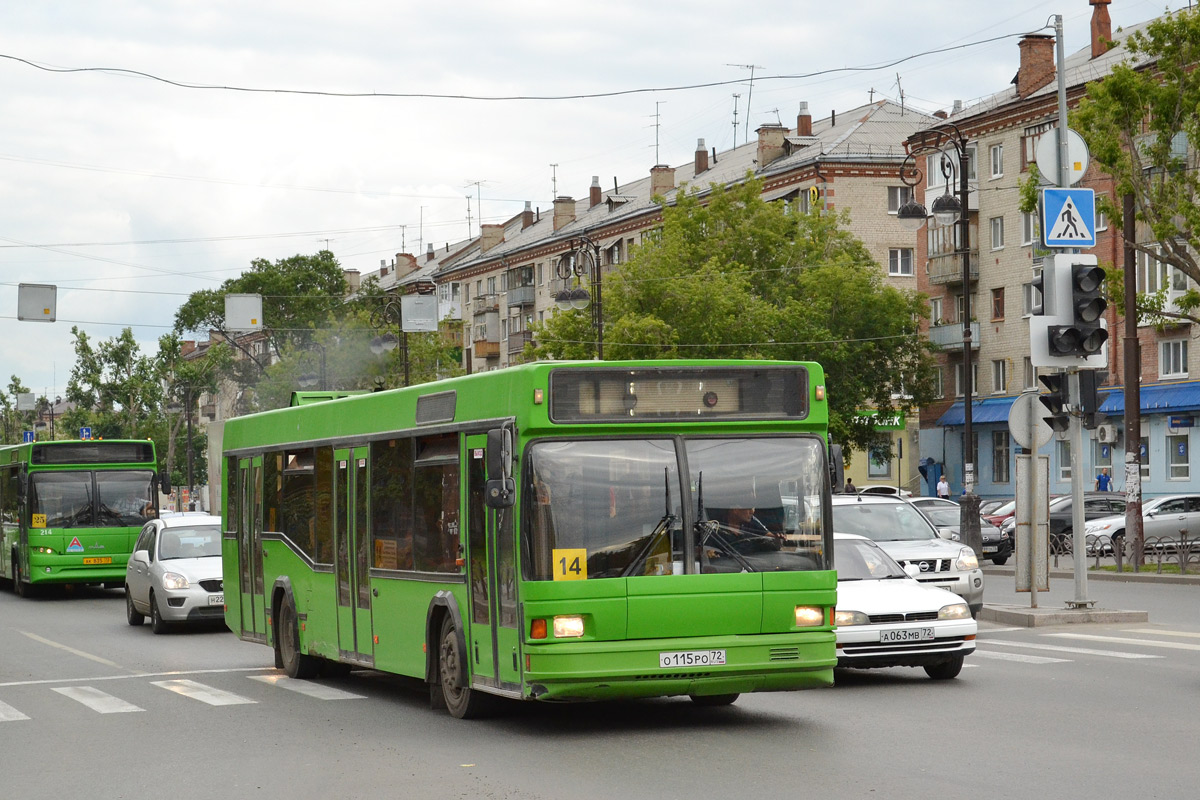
<point x="1106" y="434"/>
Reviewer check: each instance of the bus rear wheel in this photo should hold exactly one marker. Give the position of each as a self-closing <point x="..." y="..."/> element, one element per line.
<point x="713" y="700"/>
<point x="287" y="643"/>
<point x="461" y="701"/>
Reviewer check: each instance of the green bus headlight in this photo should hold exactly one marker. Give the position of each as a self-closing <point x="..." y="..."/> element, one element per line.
<point x="568" y="627"/>
<point x="809" y="616"/>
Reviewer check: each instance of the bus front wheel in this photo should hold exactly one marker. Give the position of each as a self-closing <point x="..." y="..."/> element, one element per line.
<point x="461" y="701"/>
<point x="20" y="587"/>
<point x="713" y="700"/>
<point x="287" y="643"/>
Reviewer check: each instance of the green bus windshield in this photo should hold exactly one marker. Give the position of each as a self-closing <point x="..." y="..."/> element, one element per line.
<point x="91" y="499"/>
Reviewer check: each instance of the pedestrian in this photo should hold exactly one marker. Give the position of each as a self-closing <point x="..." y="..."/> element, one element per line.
<point x="850" y="487"/>
<point x="1103" y="481"/>
<point x="943" y="488"/>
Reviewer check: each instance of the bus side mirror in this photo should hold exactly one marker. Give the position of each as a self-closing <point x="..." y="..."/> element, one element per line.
<point x="501" y="489"/>
<point x="837" y="468"/>
<point x="22" y="486"/>
<point x="164" y="483"/>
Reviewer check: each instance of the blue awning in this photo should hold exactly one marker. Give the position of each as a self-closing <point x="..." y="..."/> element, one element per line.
<point x="1163" y="398"/>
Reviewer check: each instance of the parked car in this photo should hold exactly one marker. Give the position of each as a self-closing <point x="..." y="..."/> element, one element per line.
<point x="885" y="618"/>
<point x="909" y="537"/>
<point x="946" y="516"/>
<point x="174" y="573"/>
<point x="988" y="506"/>
<point x="1095" y="505"/>
<point x="999" y="515"/>
<point x="885" y="490"/>
<point x="1162" y="520"/>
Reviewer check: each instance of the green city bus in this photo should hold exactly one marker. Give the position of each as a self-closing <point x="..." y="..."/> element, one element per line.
<point x="552" y="531"/>
<point x="70" y="510"/>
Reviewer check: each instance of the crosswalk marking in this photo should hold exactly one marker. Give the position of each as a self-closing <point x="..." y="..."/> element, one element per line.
<point x="1157" y="632"/>
<point x="307" y="688"/>
<point x="205" y="694"/>
<point x="10" y="714"/>
<point x="1002" y="656"/>
<point x="98" y="701"/>
<point x="1125" y="640"/>
<point x="1064" y="649"/>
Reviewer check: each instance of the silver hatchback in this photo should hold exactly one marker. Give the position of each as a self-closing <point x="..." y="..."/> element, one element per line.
<point x="174" y="573"/>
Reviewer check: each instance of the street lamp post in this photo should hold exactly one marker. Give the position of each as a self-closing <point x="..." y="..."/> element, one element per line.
<point x="306" y="380"/>
<point x="187" y="400"/>
<point x="948" y="209"/>
<point x="572" y="265"/>
<point x="390" y="313"/>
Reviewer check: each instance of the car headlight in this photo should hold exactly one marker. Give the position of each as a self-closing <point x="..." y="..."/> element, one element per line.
<point x="954" y="611"/>
<point x="967" y="559"/>
<point x="846" y="618"/>
<point x="568" y="627"/>
<point x="810" y="616"/>
<point x="173" y="580"/>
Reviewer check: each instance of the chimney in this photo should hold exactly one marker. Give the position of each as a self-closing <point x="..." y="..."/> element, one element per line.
<point x="701" y="157"/>
<point x="405" y="263"/>
<point x="489" y="236"/>
<point x="1037" y="64"/>
<point x="957" y="107"/>
<point x="594" y="193"/>
<point x="770" y="143"/>
<point x="662" y="179"/>
<point x="429" y="256"/>
<point x="564" y="211"/>
<point x="804" y="121"/>
<point x="353" y="280"/>
<point x="941" y="113"/>
<point x="1101" y="27"/>
<point x="527" y="215"/>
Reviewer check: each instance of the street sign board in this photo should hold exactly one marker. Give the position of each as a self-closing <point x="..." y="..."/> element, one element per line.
<point x="1046" y="156"/>
<point x="1026" y="411"/>
<point x="1068" y="218"/>
<point x="85" y="433"/>
<point x="418" y="312"/>
<point x="26" y="437"/>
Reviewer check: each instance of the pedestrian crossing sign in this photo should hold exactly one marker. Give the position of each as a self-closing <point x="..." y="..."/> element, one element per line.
<point x="1068" y="218"/>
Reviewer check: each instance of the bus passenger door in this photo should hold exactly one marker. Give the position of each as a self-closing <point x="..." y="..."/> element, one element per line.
<point x="352" y="554"/>
<point x="250" y="553"/>
<point x="491" y="578"/>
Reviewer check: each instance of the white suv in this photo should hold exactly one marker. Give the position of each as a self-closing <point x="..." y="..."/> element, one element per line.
<point x="907" y="536"/>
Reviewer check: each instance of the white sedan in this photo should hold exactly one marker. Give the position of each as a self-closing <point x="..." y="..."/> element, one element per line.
<point x="885" y="618"/>
<point x="174" y="573"/>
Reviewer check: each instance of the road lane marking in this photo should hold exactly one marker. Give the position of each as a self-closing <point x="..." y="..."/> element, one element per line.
<point x="1124" y="640"/>
<point x="1001" y="630"/>
<point x="96" y="700"/>
<point x="1156" y="632"/>
<point x="10" y="714"/>
<point x="72" y="650"/>
<point x="1064" y="649"/>
<point x="205" y="694"/>
<point x="1000" y="656"/>
<point x="307" y="688"/>
<point x="167" y="674"/>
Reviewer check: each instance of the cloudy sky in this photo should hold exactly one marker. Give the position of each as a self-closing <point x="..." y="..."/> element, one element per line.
<point x="357" y="126"/>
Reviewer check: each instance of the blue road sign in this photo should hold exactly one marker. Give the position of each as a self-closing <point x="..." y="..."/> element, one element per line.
<point x="27" y="436"/>
<point x="1069" y="217"/>
<point x="85" y="433"/>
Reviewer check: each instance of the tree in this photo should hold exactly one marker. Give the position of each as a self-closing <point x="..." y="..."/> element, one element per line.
<point x="299" y="295"/>
<point x="737" y="277"/>
<point x="183" y="381"/>
<point x="117" y="385"/>
<point x="1142" y="128"/>
<point x="14" y="422"/>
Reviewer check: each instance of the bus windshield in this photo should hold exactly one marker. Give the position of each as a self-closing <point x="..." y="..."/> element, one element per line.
<point x="101" y="499"/>
<point x="753" y="504"/>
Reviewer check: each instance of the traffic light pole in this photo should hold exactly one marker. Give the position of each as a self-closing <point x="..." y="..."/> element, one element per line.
<point x="1078" y="539"/>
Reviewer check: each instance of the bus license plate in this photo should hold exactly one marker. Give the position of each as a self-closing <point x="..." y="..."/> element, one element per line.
<point x="216" y="599"/>
<point x="907" y="635"/>
<point x="692" y="658"/>
<point x="97" y="560"/>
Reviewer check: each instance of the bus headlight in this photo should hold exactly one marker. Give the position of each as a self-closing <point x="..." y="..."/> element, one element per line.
<point x="173" y="580"/>
<point x="809" y="616"/>
<point x="967" y="559"/>
<point x="846" y="618"/>
<point x="568" y="627"/>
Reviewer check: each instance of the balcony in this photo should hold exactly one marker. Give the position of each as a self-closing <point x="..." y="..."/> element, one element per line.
<point x="949" y="336"/>
<point x="521" y="295"/>
<point x="518" y="340"/>
<point x="946" y="268"/>
<point x="485" y="348"/>
<point x="485" y="303"/>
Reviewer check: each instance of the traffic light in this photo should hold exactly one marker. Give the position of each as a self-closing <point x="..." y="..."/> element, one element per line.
<point x="1055" y="400"/>
<point x="1090" y="381"/>
<point x="1081" y="332"/>
<point x="1042" y="300"/>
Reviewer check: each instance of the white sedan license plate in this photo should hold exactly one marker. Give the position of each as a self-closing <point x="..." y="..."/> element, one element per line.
<point x="692" y="658"/>
<point x="216" y="599"/>
<point x="907" y="635"/>
<point x="991" y="548"/>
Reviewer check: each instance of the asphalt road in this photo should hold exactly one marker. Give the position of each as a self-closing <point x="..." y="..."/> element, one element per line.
<point x="92" y="707"/>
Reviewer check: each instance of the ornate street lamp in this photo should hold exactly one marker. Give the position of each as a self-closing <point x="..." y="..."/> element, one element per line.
<point x="390" y="314"/>
<point x="572" y="265"/>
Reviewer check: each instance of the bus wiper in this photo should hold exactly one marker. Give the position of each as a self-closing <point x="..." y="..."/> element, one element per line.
<point x="711" y="529"/>
<point x="663" y="525"/>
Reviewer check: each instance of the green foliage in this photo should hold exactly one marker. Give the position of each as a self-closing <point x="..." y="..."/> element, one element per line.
<point x="1142" y="127"/>
<point x="737" y="277"/>
<point x="14" y="423"/>
<point x="117" y="387"/>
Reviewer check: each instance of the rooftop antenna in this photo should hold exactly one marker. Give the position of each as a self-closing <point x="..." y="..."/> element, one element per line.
<point x="468" y="216"/>
<point x="871" y="94"/>
<point x="554" y="180"/>
<point x="478" y="203"/>
<point x="735" y="102"/>
<point x="421" y="230"/>
<point x="901" y="90"/>
<point x="403" y="246"/>
<point x="778" y="121"/>
<point x="749" y="95"/>
<point x="657" y="125"/>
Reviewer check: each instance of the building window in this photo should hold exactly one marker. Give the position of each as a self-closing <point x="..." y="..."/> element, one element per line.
<point x="1029" y="143"/>
<point x="1172" y="361"/>
<point x="900" y="261"/>
<point x="1151" y="273"/>
<point x="1144" y="458"/>
<point x="1101" y="220"/>
<point x="1028" y="228"/>
<point x="997" y="152"/>
<point x="939" y="383"/>
<point x="1064" y="460"/>
<point x="1001" y="448"/>
<point x="935" y="311"/>
<point x="997" y="232"/>
<point x="1103" y="455"/>
<point x="1029" y="295"/>
<point x="999" y="376"/>
<point x="958" y="379"/>
<point x="933" y="168"/>
<point x="878" y="463"/>
<point x="1177" y="457"/>
<point x="897" y="196"/>
<point x="1030" y="374"/>
<point x="998" y="303"/>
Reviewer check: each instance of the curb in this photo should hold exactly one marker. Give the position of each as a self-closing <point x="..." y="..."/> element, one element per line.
<point x="1144" y="576"/>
